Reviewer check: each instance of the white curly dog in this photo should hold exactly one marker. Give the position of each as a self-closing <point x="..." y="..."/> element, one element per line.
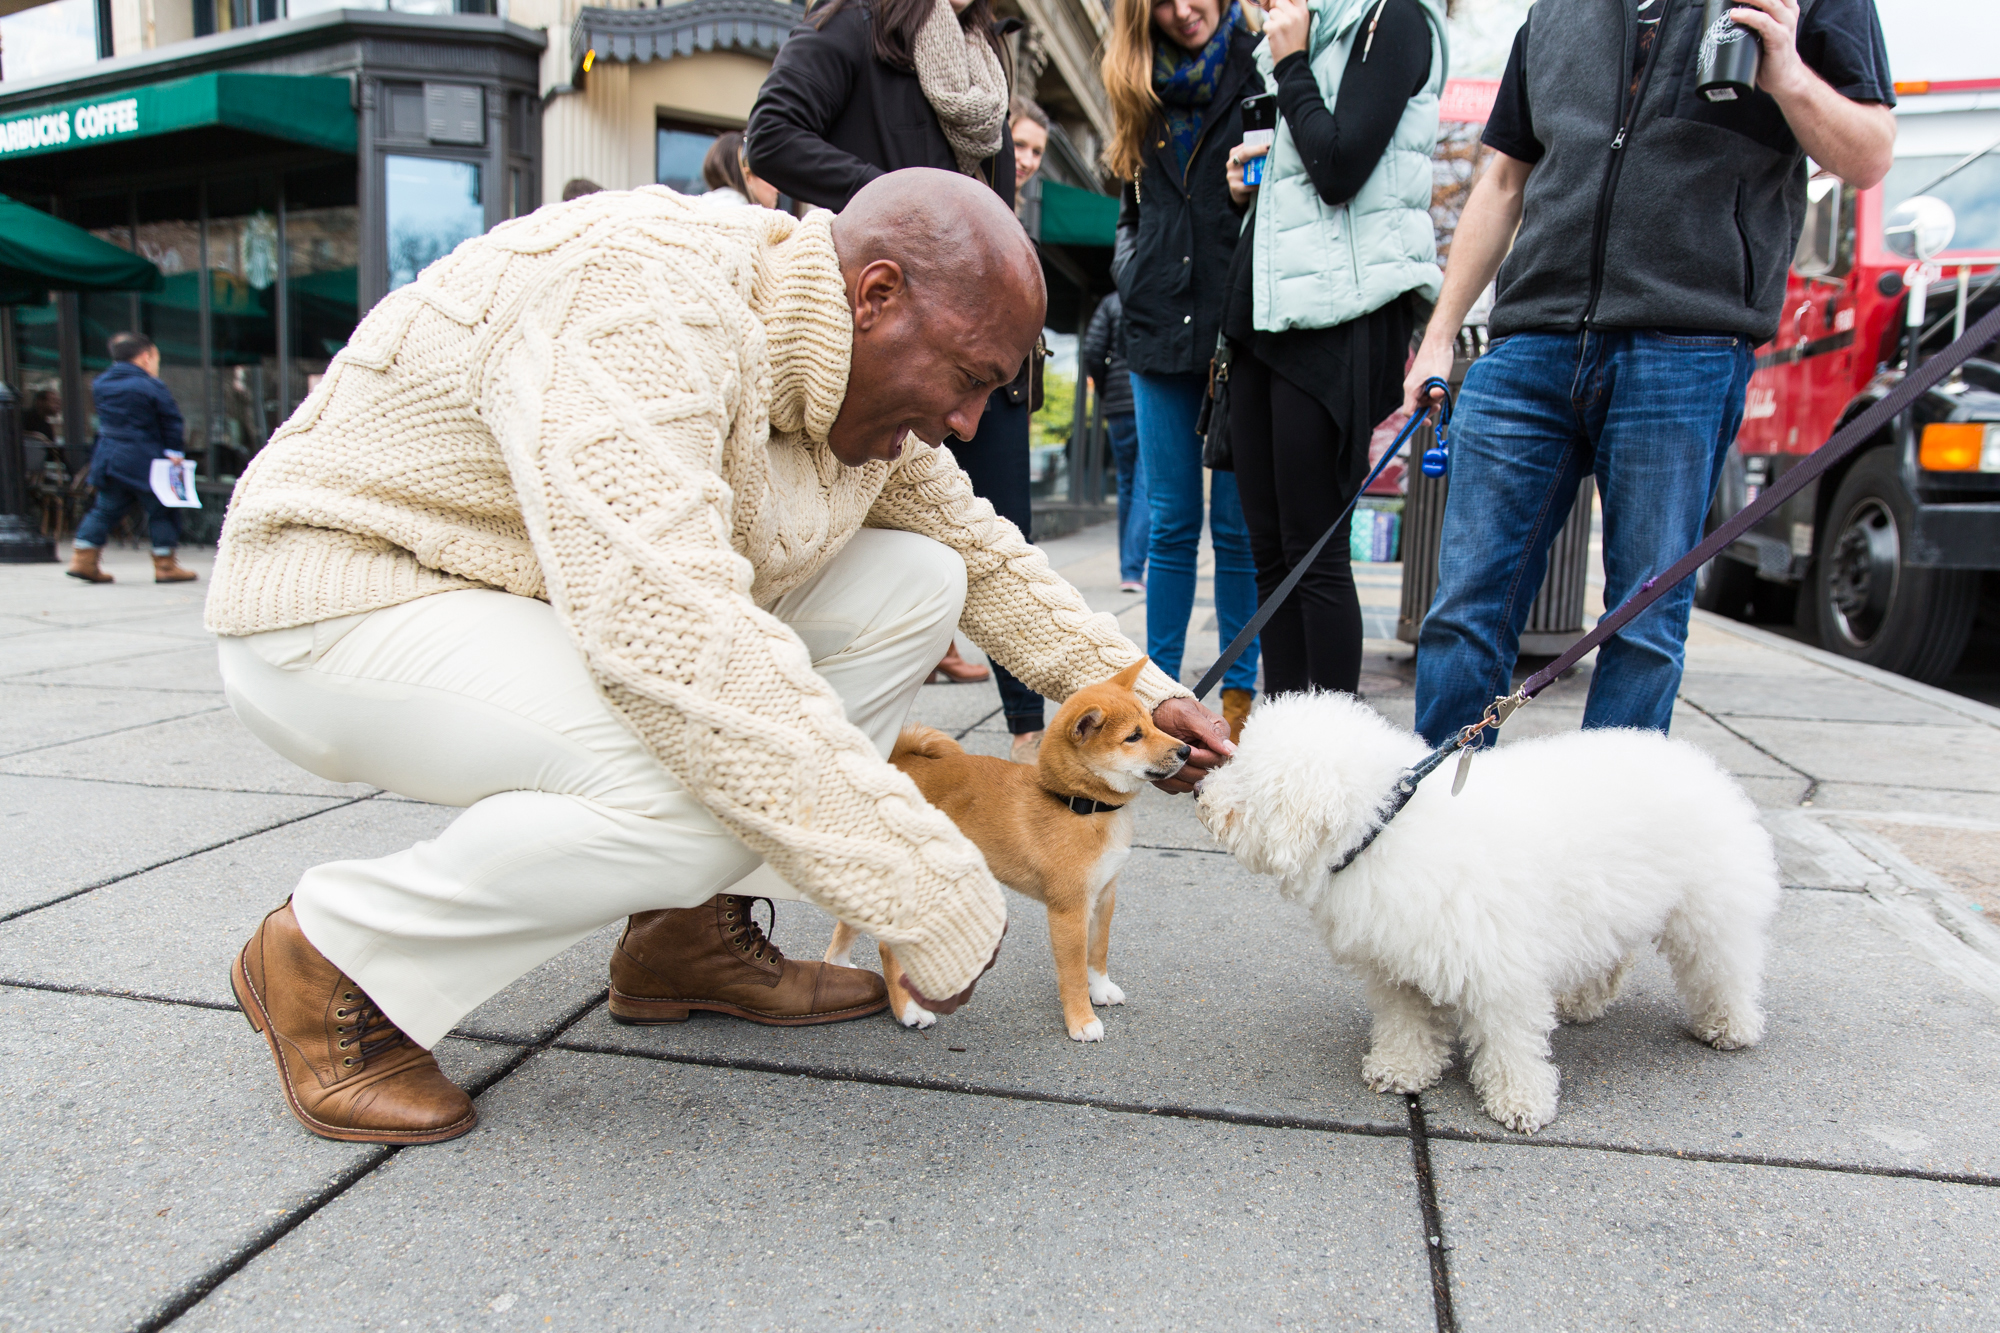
<point x="1515" y="903"/>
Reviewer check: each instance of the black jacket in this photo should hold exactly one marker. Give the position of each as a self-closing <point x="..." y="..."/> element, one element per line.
<point x="831" y="117"/>
<point x="137" y="422"/>
<point x="1176" y="233"/>
<point x="1102" y="356"/>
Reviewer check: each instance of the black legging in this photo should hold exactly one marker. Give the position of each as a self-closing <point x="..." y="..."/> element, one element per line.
<point x="1294" y="472"/>
<point x="996" y="459"/>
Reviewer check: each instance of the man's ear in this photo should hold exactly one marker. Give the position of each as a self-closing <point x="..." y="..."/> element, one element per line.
<point x="1088" y="724"/>
<point x="878" y="284"/>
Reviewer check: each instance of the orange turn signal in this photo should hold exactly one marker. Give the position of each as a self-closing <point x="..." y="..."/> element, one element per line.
<point x="1957" y="446"/>
<point x="1912" y="87"/>
<point x="589" y="59"/>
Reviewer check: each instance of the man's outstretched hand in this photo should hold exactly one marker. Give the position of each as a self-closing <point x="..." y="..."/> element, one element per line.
<point x="951" y="1006"/>
<point x="1205" y="731"/>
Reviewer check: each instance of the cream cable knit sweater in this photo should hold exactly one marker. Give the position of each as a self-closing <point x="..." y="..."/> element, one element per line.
<point x="620" y="405"/>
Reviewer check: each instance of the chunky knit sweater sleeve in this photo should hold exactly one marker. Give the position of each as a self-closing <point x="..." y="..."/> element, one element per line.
<point x="613" y="386"/>
<point x="1017" y="608"/>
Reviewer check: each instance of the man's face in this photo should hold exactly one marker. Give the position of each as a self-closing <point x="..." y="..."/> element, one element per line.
<point x="924" y="364"/>
<point x="149" y="361"/>
<point x="1030" y="142"/>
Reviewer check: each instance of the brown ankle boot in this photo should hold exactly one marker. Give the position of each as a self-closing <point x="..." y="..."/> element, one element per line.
<point x="347" y="1071"/>
<point x="715" y="957"/>
<point x="166" y="569"/>
<point x="1236" y="711"/>
<point x="83" y="564"/>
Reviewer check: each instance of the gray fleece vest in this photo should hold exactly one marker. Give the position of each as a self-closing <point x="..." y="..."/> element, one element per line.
<point x="1685" y="220"/>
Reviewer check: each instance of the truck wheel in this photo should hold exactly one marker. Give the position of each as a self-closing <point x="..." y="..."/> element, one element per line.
<point x="1872" y="607"/>
<point x="1725" y="586"/>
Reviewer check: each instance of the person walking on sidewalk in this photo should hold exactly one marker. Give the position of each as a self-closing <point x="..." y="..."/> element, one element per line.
<point x="1102" y="354"/>
<point x="626" y="529"/>
<point x="863" y="87"/>
<point x="1176" y="72"/>
<point x="1322" y="299"/>
<point x="137" y="422"/>
<point x="1655" y="228"/>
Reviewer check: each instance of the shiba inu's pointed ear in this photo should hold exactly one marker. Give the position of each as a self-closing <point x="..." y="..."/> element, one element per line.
<point x="1087" y="723"/>
<point x="1129" y="677"/>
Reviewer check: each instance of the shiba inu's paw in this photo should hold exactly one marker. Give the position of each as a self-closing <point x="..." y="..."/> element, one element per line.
<point x="1103" y="990"/>
<point x="914" y="1015"/>
<point x="845" y="958"/>
<point x="1091" y="1031"/>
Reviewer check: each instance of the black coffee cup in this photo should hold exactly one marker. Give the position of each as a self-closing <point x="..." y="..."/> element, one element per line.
<point x="1726" y="66"/>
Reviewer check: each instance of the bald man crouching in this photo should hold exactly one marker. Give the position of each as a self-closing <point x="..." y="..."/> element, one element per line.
<point x="624" y="528"/>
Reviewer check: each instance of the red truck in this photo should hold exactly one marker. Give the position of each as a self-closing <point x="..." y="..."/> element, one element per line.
<point x="1887" y="557"/>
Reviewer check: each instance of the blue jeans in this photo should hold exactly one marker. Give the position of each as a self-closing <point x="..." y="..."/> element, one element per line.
<point x="1134" y="524"/>
<point x="1165" y="407"/>
<point x="1650" y="415"/>
<point x="113" y="499"/>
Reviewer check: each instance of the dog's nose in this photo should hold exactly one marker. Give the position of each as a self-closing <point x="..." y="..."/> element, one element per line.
<point x="1183" y="753"/>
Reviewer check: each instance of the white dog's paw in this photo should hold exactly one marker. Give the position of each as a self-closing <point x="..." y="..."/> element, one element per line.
<point x="1385" y="1075"/>
<point x="1091" y="1031"/>
<point x="1730" y="1031"/>
<point x="1103" y="990"/>
<point x="913" y="1015"/>
<point x="1522" y="1115"/>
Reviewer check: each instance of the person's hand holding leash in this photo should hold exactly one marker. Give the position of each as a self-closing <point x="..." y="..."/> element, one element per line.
<point x="1207" y="732"/>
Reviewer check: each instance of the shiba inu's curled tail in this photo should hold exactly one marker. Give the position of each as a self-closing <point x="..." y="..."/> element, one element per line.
<point x="923" y="743"/>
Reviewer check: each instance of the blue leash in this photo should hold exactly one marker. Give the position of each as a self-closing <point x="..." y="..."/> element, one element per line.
<point x="1435" y="460"/>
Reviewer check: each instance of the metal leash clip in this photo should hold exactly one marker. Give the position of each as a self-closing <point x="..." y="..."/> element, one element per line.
<point x="1496" y="716"/>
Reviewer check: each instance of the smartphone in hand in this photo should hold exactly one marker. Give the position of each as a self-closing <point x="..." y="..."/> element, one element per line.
<point x="1260" y="129"/>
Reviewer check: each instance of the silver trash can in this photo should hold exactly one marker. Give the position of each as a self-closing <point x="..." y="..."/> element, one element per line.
<point x="1556" y="619"/>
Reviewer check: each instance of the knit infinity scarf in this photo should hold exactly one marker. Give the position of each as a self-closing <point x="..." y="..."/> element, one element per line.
<point x="963" y="82"/>
<point x="1186" y="83"/>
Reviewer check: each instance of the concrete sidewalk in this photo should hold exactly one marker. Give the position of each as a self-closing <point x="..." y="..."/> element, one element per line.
<point x="1216" y="1162"/>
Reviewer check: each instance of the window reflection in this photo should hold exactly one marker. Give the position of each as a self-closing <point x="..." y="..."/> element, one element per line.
<point x="678" y="159"/>
<point x="433" y="204"/>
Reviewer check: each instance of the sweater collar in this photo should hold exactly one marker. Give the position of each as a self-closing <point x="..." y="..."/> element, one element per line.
<point x="802" y="299"/>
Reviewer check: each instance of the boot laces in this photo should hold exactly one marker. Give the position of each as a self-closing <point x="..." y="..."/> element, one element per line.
<point x="365" y="1031"/>
<point x="743" y="931"/>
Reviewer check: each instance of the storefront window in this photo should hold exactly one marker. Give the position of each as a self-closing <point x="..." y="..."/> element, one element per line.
<point x="243" y="272"/>
<point x="322" y="270"/>
<point x="678" y="158"/>
<point x="48" y="39"/>
<point x="168" y="232"/>
<point x="433" y="204"/>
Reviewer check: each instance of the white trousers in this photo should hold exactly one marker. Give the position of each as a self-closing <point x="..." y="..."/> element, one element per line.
<point x="479" y="699"/>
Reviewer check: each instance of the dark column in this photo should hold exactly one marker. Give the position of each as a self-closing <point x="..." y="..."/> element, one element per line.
<point x="21" y="539"/>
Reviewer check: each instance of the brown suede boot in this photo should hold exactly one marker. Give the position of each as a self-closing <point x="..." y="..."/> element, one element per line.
<point x="83" y="564"/>
<point x="347" y="1071"/>
<point x="1236" y="711"/>
<point x="715" y="957"/>
<point x="166" y="569"/>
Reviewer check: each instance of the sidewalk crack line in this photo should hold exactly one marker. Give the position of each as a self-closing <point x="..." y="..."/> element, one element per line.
<point x="1434" y="1246"/>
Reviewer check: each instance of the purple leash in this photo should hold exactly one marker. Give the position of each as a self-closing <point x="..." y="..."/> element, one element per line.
<point x="1844" y="442"/>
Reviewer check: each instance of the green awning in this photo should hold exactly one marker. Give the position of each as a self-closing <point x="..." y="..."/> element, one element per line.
<point x="39" y="252"/>
<point x="1077" y="217"/>
<point x="298" y="108"/>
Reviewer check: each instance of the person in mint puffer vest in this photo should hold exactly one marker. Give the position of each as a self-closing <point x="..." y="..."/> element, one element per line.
<point x="1336" y="253"/>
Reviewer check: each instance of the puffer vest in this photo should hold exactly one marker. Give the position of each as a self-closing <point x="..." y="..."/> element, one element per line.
<point x="1315" y="264"/>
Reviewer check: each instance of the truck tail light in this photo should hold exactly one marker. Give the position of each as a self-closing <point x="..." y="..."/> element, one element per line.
<point x="1960" y="446"/>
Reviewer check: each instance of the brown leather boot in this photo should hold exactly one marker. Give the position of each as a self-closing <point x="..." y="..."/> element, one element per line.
<point x="347" y="1071"/>
<point x="715" y="957"/>
<point x="83" y="564"/>
<point x="166" y="569"/>
<point x="1236" y="711"/>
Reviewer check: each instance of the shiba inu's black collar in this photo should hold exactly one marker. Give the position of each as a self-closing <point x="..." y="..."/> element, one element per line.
<point x="1083" y="805"/>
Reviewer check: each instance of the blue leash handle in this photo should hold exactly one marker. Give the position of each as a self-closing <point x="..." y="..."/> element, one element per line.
<point x="1245" y="637"/>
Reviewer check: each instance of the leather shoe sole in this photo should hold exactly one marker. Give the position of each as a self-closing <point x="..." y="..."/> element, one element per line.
<point x="260" y="1021"/>
<point x="634" y="1011"/>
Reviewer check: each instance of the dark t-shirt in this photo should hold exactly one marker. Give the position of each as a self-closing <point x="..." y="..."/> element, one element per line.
<point x="1840" y="40"/>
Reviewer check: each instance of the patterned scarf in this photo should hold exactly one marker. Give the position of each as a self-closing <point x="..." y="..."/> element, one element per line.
<point x="962" y="80"/>
<point x="1186" y="83"/>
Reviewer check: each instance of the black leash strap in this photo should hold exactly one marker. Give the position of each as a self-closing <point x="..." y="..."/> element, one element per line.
<point x="1844" y="442"/>
<point x="1248" y="634"/>
<point x="1849" y="438"/>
